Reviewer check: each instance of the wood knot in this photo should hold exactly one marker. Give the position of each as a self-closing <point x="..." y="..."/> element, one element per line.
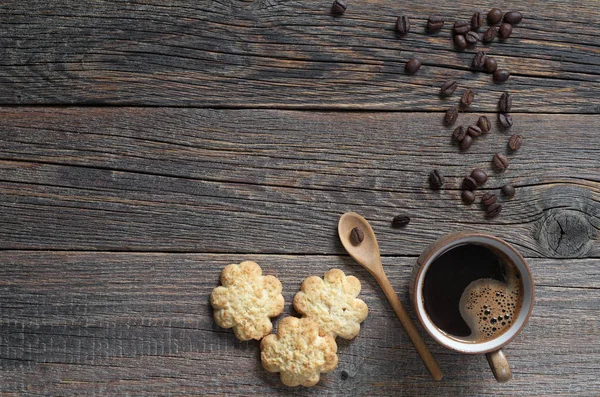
<point x="565" y="233"/>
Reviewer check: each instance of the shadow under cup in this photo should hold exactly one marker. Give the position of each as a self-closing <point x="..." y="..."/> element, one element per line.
<point x="461" y="254"/>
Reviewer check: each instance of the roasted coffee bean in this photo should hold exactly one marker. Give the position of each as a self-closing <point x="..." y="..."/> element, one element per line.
<point x="460" y="42"/>
<point x="479" y="175"/>
<point x="468" y="197"/>
<point x="484" y="123"/>
<point x="403" y="25"/>
<point x="488" y="199"/>
<point x="493" y="210"/>
<point x="501" y="75"/>
<point x="338" y="7"/>
<point x="436" y="179"/>
<point x="466" y="143"/>
<point x="508" y="190"/>
<point x="505" y="119"/>
<point x="505" y="31"/>
<point x="474" y="131"/>
<point x="448" y="87"/>
<point x="450" y="116"/>
<point x="477" y="21"/>
<point x="356" y="236"/>
<point x="479" y="60"/>
<point x="472" y="37"/>
<point x="490" y="34"/>
<point x="490" y="65"/>
<point x="500" y="161"/>
<point x="461" y="27"/>
<point x="400" y="221"/>
<point x="513" y="17"/>
<point x="469" y="183"/>
<point x="515" y="142"/>
<point x="505" y="102"/>
<point x="459" y="133"/>
<point x="412" y="66"/>
<point x="494" y="16"/>
<point x="435" y="23"/>
<point x="467" y="97"/>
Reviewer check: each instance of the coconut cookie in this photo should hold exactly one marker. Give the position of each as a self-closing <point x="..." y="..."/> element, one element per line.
<point x="247" y="300"/>
<point x="331" y="302"/>
<point x="299" y="352"/>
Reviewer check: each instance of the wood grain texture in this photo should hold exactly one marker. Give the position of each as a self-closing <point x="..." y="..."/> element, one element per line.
<point x="95" y="323"/>
<point x="277" y="181"/>
<point x="284" y="54"/>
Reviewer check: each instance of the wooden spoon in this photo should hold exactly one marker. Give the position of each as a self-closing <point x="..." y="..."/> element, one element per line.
<point x="367" y="254"/>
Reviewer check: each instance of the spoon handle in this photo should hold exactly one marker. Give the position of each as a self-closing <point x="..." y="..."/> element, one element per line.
<point x="410" y="328"/>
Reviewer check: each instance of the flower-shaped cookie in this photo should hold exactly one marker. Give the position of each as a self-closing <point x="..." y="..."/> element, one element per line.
<point x="246" y="300"/>
<point x="332" y="303"/>
<point x="299" y="352"/>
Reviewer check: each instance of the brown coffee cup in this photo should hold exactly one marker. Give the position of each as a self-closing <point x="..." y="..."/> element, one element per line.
<point x="490" y="342"/>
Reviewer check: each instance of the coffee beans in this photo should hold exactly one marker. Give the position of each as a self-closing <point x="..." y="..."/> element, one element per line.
<point x="479" y="60"/>
<point x="450" y="116"/>
<point x="479" y="175"/>
<point x="466" y="143"/>
<point x="412" y="66"/>
<point x="484" y="123"/>
<point x="505" y="31"/>
<point x="403" y="25"/>
<point x="356" y="236"/>
<point x="513" y="17"/>
<point x="515" y="142"/>
<point x="435" y="23"/>
<point x="400" y="221"/>
<point x="500" y="161"/>
<point x="505" y="119"/>
<point x="474" y="131"/>
<point x="490" y="34"/>
<point x="477" y="21"/>
<point x="469" y="183"/>
<point x="468" y="197"/>
<point x="467" y="97"/>
<point x="501" y="75"/>
<point x="508" y="190"/>
<point x="494" y="16"/>
<point x="459" y="133"/>
<point x="338" y="7"/>
<point x="460" y="42"/>
<point x="493" y="210"/>
<point x="488" y="199"/>
<point x="462" y="27"/>
<point x="448" y="87"/>
<point x="505" y="102"/>
<point x="471" y="37"/>
<point x="436" y="179"/>
<point x="490" y="65"/>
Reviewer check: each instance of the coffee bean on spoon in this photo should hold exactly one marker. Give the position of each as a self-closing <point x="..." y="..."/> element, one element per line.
<point x="494" y="16"/>
<point x="450" y="116"/>
<point x="505" y="102"/>
<point x="474" y="131"/>
<point x="459" y="133"/>
<point x="508" y="190"/>
<point x="469" y="183"/>
<point x="505" y="31"/>
<point x="435" y="23"/>
<point x="501" y="75"/>
<point x="493" y="210"/>
<point x="490" y="34"/>
<point x="338" y="7"/>
<point x="484" y="123"/>
<point x="467" y="196"/>
<point x="466" y="143"/>
<point x="479" y="60"/>
<point x="436" y="179"/>
<point x="477" y="21"/>
<point x="479" y="175"/>
<point x="505" y="119"/>
<point x="460" y="42"/>
<point x="461" y="27"/>
<point x="488" y="199"/>
<point x="412" y="66"/>
<point x="500" y="161"/>
<point x="448" y="87"/>
<point x="467" y="97"/>
<point x="471" y="37"/>
<point x="402" y="25"/>
<point x="356" y="236"/>
<point x="513" y="17"/>
<point x="515" y="142"/>
<point x="490" y="65"/>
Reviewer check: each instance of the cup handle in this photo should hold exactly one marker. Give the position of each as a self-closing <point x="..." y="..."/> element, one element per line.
<point x="499" y="365"/>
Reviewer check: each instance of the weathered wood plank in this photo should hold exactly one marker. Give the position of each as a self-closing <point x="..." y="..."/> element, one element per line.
<point x="88" y="323"/>
<point x="277" y="181"/>
<point x="287" y="54"/>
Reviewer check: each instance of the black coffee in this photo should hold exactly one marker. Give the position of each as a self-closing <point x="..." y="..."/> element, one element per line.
<point x="472" y="293"/>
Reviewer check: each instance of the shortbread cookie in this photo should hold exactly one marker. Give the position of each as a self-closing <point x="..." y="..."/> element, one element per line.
<point x="332" y="303"/>
<point x="299" y="352"/>
<point x="247" y="300"/>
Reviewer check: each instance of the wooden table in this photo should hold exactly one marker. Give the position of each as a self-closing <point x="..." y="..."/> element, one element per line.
<point x="147" y="144"/>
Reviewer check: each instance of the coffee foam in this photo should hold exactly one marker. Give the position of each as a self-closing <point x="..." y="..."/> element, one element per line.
<point x="490" y="307"/>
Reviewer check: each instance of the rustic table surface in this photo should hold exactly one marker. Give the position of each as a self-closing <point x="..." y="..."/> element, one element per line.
<point x="147" y="144"/>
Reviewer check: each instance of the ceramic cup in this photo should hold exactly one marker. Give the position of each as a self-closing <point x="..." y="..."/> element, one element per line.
<point x="491" y="347"/>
